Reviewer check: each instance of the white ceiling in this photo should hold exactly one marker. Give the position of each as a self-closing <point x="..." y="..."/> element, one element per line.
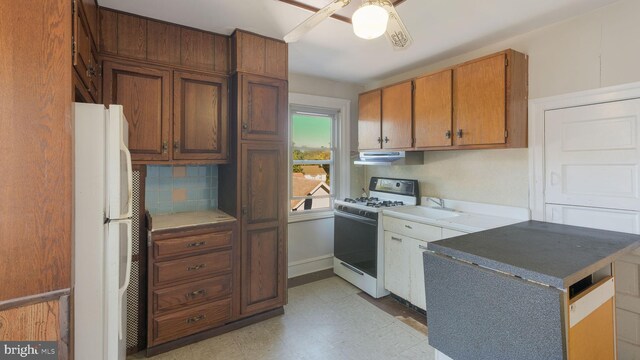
<point x="440" y="29"/>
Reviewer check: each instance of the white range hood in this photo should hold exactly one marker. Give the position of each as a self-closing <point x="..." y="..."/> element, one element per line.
<point x="387" y="158"/>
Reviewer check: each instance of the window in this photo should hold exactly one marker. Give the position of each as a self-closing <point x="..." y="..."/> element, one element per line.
<point x="312" y="152"/>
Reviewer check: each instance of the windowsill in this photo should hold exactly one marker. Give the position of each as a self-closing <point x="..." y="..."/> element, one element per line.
<point x="310" y="216"/>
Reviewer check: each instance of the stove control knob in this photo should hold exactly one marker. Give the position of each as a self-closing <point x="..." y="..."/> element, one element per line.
<point x="367" y="214"/>
<point x="362" y="212"/>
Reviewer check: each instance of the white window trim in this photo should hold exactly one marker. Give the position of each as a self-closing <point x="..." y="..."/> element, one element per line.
<point x="342" y="171"/>
<point x="537" y="109"/>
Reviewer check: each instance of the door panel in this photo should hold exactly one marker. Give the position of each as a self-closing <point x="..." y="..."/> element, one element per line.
<point x="592" y="156"/>
<point x="433" y="110"/>
<point x="200" y="117"/>
<point x="264" y="108"/>
<point x="369" y="120"/>
<point x="397" y="271"/>
<point x="263" y="179"/>
<point x="418" y="294"/>
<point x="144" y="94"/>
<point x="598" y="218"/>
<point x="479" y="95"/>
<point x="396" y="116"/>
<point x="263" y="195"/>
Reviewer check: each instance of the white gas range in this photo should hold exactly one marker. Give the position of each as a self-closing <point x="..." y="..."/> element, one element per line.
<point x="358" y="235"/>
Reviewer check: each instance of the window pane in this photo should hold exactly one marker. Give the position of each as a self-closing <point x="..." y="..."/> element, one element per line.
<point x="311" y="137"/>
<point x="311" y="181"/>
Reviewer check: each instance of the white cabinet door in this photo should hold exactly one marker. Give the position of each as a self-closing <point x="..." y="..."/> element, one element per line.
<point x="592" y="155"/>
<point x="396" y="264"/>
<point x="418" y="297"/>
<point x="447" y="233"/>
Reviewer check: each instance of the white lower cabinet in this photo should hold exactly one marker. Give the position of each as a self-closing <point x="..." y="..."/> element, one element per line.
<point x="403" y="262"/>
<point x="396" y="264"/>
<point x="417" y="293"/>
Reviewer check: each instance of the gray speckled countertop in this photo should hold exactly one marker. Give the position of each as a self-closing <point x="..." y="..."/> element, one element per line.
<point x="189" y="219"/>
<point x="552" y="254"/>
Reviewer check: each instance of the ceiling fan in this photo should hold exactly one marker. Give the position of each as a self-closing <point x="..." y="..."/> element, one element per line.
<point x="372" y="19"/>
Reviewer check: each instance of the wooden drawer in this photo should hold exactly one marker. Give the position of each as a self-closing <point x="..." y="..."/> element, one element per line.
<point x="412" y="229"/>
<point x="192" y="244"/>
<point x="186" y="322"/>
<point x="191" y="267"/>
<point x="191" y="293"/>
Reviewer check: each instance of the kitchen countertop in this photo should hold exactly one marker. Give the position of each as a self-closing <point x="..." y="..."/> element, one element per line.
<point x="189" y="219"/>
<point x="471" y="217"/>
<point x="551" y="254"/>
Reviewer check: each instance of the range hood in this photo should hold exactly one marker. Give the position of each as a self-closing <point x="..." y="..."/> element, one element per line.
<point x="390" y="158"/>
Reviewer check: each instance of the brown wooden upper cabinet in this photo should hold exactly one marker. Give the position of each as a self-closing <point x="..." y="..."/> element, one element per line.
<point x="432" y="110"/>
<point x="84" y="54"/>
<point x="145" y="94"/>
<point x="396" y="116"/>
<point x="384" y="120"/>
<point x="264" y="216"/>
<point x="479" y="104"/>
<point x="256" y="54"/>
<point x="490" y="101"/>
<point x="370" y="120"/>
<point x="263" y="113"/>
<point x="200" y="117"/>
<point x="132" y="36"/>
<point x="480" y="98"/>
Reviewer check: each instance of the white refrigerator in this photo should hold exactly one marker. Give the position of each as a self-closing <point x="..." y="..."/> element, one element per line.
<point x="102" y="231"/>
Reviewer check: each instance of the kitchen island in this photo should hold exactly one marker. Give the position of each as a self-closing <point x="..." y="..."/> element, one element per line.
<point x="531" y="290"/>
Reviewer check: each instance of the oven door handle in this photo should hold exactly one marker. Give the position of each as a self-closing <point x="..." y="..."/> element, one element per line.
<point x="361" y="219"/>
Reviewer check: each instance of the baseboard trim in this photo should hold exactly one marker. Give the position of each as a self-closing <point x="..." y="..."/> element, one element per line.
<point x="309" y="278"/>
<point x="33" y="299"/>
<point x="311" y="265"/>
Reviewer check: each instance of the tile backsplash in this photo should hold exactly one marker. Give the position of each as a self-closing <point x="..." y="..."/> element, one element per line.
<point x="181" y="188"/>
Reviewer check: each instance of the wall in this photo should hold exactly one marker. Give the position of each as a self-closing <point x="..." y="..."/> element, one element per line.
<point x="181" y="188"/>
<point x="311" y="242"/>
<point x="594" y="50"/>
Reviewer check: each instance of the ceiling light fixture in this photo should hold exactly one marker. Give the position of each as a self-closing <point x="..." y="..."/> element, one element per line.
<point x="370" y="20"/>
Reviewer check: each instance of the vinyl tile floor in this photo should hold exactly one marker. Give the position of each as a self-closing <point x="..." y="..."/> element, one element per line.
<point x="326" y="319"/>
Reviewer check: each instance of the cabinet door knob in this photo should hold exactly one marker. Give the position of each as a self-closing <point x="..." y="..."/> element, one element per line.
<point x="176" y="145"/>
<point x="379" y="140"/>
<point x="245" y="211"/>
<point x="448" y="134"/>
<point x="459" y="133"/>
<point x="165" y="146"/>
<point x="386" y="139"/>
<point x="245" y="126"/>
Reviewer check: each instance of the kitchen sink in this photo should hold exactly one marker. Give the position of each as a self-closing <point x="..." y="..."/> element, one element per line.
<point x="427" y="212"/>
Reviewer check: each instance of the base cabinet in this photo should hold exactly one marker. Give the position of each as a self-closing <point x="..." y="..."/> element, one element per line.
<point x="404" y="244"/>
<point x="190" y="281"/>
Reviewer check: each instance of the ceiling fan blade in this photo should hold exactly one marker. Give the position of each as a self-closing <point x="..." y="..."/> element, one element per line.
<point x="314" y="20"/>
<point x="397" y="33"/>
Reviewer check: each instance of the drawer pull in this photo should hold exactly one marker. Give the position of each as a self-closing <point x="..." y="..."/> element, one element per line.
<point x="195" y="267"/>
<point x="196" y="293"/>
<point x="422" y="247"/>
<point x="408" y="227"/>
<point x="395" y="238"/>
<point x="195" y="319"/>
<point x="196" y="244"/>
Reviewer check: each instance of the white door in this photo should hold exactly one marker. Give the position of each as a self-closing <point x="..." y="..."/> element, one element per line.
<point x="591" y="179"/>
<point x="418" y="294"/>
<point x="592" y="155"/>
<point x="396" y="264"/>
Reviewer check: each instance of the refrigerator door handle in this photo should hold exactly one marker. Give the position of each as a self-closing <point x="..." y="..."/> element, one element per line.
<point x="127" y="276"/>
<point x="123" y="148"/>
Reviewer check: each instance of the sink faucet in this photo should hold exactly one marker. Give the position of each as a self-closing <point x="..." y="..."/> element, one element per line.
<point x="437" y="201"/>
